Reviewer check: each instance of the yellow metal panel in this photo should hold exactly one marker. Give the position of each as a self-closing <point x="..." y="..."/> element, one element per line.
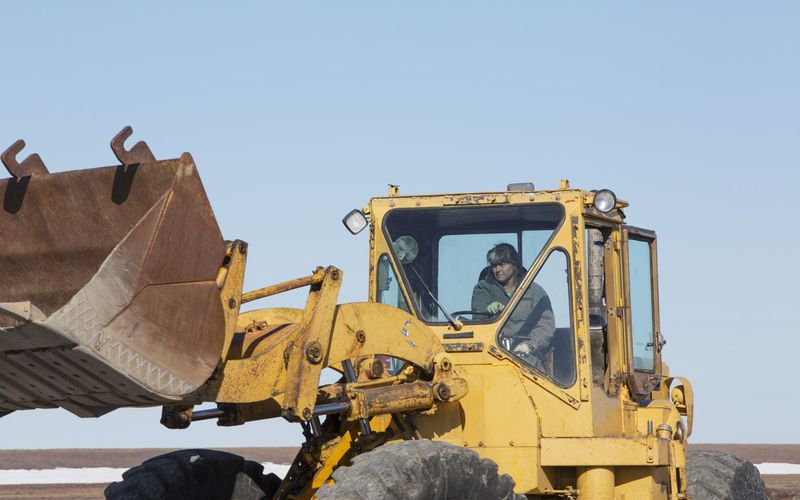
<point x="522" y="464"/>
<point x="642" y="483"/>
<point x="496" y="411"/>
<point x="606" y="414"/>
<point x="510" y="414"/>
<point x="603" y="451"/>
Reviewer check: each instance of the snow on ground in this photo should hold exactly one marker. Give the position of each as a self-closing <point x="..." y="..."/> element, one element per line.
<point x="773" y="468"/>
<point x="64" y="475"/>
<point x="61" y="475"/>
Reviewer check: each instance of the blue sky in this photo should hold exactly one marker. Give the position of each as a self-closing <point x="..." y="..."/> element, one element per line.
<point x="297" y="112"/>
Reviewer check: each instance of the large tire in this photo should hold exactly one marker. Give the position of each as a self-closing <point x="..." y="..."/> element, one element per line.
<point x="417" y="470"/>
<point x="713" y="475"/>
<point x="195" y="474"/>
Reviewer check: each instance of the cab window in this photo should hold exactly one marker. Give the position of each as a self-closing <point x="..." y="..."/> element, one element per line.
<point x="641" y="296"/>
<point x="443" y="254"/>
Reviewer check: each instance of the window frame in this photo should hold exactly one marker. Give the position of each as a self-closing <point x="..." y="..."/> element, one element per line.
<point x="642" y="382"/>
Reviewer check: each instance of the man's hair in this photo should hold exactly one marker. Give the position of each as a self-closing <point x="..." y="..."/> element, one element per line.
<point x="503" y="253"/>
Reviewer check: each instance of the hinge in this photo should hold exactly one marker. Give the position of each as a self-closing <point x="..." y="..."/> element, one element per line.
<point x="496" y="353"/>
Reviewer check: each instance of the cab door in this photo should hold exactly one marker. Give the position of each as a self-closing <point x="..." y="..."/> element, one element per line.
<point x="644" y="339"/>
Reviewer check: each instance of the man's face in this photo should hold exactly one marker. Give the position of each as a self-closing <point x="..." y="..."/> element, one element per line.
<point x="503" y="272"/>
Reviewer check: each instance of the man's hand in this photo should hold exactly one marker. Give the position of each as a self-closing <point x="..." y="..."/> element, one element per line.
<point x="523" y="349"/>
<point x="495" y="307"/>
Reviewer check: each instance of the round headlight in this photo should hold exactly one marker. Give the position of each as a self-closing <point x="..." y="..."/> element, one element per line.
<point x="605" y="200"/>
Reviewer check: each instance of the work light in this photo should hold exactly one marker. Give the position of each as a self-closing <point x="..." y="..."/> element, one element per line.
<point x="355" y="221"/>
<point x="605" y="200"/>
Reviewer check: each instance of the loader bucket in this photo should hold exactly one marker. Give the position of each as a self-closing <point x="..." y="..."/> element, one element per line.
<point x="108" y="292"/>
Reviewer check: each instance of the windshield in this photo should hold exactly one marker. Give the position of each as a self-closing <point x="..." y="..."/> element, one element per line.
<point x="448" y="258"/>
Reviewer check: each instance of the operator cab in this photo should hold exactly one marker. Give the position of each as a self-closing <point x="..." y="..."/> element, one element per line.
<point x="443" y="260"/>
<point x="581" y="277"/>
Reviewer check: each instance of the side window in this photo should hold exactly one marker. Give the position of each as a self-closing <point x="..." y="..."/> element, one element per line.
<point x="389" y="293"/>
<point x="641" y="291"/>
<point x="539" y="329"/>
<point x="388" y="287"/>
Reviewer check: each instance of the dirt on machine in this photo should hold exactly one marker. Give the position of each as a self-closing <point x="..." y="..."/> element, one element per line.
<point x="510" y="345"/>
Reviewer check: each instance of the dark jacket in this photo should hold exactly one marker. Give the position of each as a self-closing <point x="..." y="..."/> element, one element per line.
<point x="532" y="320"/>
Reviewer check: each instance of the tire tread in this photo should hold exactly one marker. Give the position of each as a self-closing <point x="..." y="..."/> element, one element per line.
<point x="714" y="475"/>
<point x="189" y="474"/>
<point x="419" y="470"/>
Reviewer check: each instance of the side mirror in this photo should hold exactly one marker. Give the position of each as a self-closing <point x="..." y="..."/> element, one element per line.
<point x="355" y="221"/>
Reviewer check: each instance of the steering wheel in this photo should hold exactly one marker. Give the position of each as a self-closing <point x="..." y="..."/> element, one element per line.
<point x="474" y="313"/>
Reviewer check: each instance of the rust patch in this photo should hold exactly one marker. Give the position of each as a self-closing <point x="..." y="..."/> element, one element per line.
<point x="463" y="347"/>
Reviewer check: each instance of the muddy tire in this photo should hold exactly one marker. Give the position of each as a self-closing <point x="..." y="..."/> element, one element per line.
<point x="713" y="475"/>
<point x="195" y="474"/>
<point x="416" y="470"/>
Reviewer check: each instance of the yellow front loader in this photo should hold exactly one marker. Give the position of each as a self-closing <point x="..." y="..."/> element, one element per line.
<point x="456" y="380"/>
